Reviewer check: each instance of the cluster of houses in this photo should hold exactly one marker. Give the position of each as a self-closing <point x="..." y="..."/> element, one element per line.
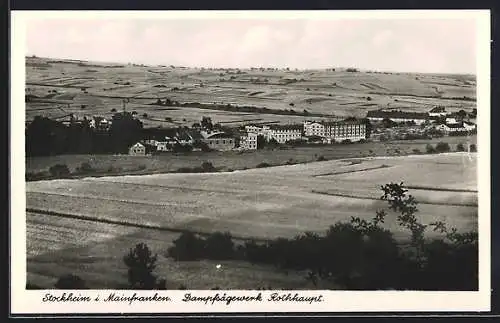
<point x="449" y="123"/>
<point x="160" y="140"/>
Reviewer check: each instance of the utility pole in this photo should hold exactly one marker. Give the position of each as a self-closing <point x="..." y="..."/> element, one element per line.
<point x="124" y="103"/>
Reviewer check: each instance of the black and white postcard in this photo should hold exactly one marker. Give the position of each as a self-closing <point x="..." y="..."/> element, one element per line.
<point x="250" y="161"/>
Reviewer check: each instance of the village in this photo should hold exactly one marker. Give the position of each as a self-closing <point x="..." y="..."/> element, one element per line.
<point x="379" y="125"/>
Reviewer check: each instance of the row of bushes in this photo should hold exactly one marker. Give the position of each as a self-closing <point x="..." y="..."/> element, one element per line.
<point x="237" y="108"/>
<point x="63" y="171"/>
<point x="205" y="167"/>
<point x="443" y="147"/>
<point x="358" y="254"/>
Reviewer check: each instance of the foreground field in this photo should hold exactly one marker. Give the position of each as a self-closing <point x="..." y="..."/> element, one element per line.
<point x="101" y="87"/>
<point x="260" y="203"/>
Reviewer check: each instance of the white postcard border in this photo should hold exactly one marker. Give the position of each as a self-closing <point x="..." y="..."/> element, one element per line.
<point x="30" y="302"/>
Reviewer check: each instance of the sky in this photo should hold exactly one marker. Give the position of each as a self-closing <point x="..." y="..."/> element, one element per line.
<point x="418" y="45"/>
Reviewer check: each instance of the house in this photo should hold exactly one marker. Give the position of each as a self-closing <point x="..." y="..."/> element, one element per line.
<point x="219" y="141"/>
<point x="397" y="116"/>
<point x="469" y="126"/>
<point x="248" y="141"/>
<point x="437" y="112"/>
<point x="337" y="131"/>
<point x="452" y="128"/>
<point x="137" y="150"/>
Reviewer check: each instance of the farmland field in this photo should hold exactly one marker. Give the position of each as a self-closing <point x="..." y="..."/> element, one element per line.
<point x="83" y="89"/>
<point x="260" y="203"/>
<point x="236" y="160"/>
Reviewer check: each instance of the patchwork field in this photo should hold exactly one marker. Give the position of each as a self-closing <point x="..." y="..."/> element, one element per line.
<point x="100" y="88"/>
<point x="257" y="203"/>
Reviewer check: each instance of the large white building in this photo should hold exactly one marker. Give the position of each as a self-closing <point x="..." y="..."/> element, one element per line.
<point x="249" y="141"/>
<point x="397" y="116"/>
<point x="336" y="131"/>
<point x="285" y="133"/>
<point x="280" y="133"/>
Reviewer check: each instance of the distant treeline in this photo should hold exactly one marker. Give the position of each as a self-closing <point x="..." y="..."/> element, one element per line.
<point x="45" y="137"/>
<point x="240" y="108"/>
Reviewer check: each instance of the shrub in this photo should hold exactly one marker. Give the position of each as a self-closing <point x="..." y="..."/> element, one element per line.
<point x="85" y="168"/>
<point x="472" y="148"/>
<point x="263" y="165"/>
<point x="416" y="151"/>
<point x="460" y="147"/>
<point x="141" y="263"/>
<point x="34" y="176"/>
<point x="59" y="170"/>
<point x="219" y="246"/>
<point x="430" y="149"/>
<point x="70" y="281"/>
<point x="442" y="147"/>
<point x="346" y="141"/>
<point x="113" y="110"/>
<point x="207" y="167"/>
<point x="321" y="158"/>
<point x="187" y="246"/>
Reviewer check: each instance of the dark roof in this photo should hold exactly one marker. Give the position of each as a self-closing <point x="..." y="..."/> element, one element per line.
<point x="219" y="135"/>
<point x="286" y="127"/>
<point x="396" y="114"/>
<point x="455" y="125"/>
<point x="438" y="109"/>
<point x="344" y="122"/>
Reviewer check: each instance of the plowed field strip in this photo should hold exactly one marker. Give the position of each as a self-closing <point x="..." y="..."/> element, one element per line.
<point x="132" y="224"/>
<point x="378" y="199"/>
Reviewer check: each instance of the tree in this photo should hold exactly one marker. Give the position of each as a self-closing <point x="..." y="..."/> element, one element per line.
<point x="219" y="246"/>
<point x="261" y="142"/>
<point x="460" y="147"/>
<point x="207" y="167"/>
<point x="59" y="170"/>
<point x="442" y="147"/>
<point x="430" y="149"/>
<point x="187" y="246"/>
<point x="70" y="281"/>
<point x="462" y="114"/>
<point x="206" y="123"/>
<point x="141" y="264"/>
<point x="472" y="148"/>
<point x="125" y="131"/>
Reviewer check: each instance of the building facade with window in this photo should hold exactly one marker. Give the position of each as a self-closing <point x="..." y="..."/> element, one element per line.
<point x="137" y="150"/>
<point x="284" y="133"/>
<point x="219" y="141"/>
<point x="248" y="141"/>
<point x="337" y="131"/>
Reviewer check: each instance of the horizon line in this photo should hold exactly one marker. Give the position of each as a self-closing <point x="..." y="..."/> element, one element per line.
<point x="291" y="69"/>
